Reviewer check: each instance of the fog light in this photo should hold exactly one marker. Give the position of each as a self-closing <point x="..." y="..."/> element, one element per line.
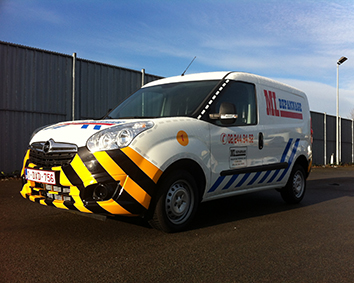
<point x="102" y="192"/>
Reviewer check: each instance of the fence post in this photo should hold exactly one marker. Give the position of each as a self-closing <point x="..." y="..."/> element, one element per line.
<point x="73" y="91"/>
<point x="340" y="139"/>
<point x="325" y="137"/>
<point x="142" y="77"/>
<point x="352" y="140"/>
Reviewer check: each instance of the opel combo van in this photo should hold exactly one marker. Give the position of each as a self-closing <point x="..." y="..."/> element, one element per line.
<point x="174" y="143"/>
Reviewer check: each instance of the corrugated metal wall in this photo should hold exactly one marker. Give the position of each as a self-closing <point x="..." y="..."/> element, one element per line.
<point x="101" y="87"/>
<point x="36" y="90"/>
<point x="346" y="138"/>
<point x="324" y="139"/>
<point x="318" y="137"/>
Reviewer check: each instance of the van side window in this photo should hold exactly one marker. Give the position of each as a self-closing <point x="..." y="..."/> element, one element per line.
<point x="243" y="96"/>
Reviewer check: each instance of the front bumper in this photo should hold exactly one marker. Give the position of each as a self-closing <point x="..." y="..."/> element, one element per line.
<point x="117" y="182"/>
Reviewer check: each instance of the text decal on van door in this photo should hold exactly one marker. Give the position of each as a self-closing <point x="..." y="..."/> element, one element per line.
<point x="287" y="108"/>
<point x="238" y="157"/>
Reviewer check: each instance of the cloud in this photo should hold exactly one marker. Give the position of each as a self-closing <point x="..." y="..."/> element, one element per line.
<point x="323" y="98"/>
<point x="298" y="40"/>
<point x="31" y="11"/>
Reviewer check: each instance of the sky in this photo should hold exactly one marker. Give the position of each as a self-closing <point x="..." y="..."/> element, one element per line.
<point x="297" y="42"/>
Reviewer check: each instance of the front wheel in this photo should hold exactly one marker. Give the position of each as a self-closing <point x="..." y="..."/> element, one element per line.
<point x="294" y="190"/>
<point x="176" y="202"/>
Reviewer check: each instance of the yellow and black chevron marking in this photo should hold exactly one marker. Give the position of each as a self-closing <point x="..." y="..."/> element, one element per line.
<point x="132" y="178"/>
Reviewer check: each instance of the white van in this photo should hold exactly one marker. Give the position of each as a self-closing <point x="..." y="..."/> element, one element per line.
<point x="174" y="143"/>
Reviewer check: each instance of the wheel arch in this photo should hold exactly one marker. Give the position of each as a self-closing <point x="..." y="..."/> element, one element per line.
<point x="192" y="167"/>
<point x="303" y="162"/>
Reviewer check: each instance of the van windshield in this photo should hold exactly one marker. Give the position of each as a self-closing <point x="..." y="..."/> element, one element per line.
<point x="167" y="100"/>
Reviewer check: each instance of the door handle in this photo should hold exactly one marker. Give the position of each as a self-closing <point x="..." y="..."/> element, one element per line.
<point x="260" y="140"/>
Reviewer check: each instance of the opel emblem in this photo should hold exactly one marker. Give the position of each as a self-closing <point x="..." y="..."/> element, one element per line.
<point x="48" y="146"/>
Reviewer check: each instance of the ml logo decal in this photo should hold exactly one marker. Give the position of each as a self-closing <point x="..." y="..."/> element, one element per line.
<point x="287" y="108"/>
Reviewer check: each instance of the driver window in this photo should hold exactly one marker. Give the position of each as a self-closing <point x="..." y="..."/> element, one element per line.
<point x="243" y="96"/>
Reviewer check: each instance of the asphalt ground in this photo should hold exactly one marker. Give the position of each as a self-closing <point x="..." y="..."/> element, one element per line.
<point x="248" y="238"/>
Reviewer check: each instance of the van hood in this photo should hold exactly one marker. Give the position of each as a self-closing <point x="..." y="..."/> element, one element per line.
<point x="74" y="132"/>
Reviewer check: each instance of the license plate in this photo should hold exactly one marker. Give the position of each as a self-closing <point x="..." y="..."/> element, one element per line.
<point x="40" y="176"/>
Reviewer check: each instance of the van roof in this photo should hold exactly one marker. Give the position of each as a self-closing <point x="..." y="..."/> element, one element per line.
<point x="191" y="77"/>
<point x="240" y="76"/>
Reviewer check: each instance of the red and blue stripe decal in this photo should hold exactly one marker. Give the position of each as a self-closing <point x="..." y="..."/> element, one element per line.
<point x="96" y="126"/>
<point x="270" y="176"/>
<point x="84" y="125"/>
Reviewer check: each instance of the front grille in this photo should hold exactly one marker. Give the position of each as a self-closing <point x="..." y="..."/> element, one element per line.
<point x="51" y="154"/>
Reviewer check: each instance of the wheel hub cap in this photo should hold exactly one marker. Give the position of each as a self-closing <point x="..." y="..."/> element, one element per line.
<point x="178" y="202"/>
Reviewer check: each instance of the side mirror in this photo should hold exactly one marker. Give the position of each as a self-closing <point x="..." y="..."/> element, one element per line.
<point x="227" y="113"/>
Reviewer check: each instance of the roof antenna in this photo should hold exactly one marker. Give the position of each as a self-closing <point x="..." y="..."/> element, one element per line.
<point x="188" y="66"/>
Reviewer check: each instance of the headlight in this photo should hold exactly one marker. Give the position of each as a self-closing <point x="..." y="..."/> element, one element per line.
<point x="124" y="137"/>
<point x="117" y="137"/>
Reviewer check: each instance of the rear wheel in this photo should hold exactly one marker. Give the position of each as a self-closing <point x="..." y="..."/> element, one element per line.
<point x="176" y="202"/>
<point x="295" y="188"/>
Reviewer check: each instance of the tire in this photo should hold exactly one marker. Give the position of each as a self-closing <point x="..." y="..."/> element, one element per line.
<point x="176" y="202"/>
<point x="295" y="188"/>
